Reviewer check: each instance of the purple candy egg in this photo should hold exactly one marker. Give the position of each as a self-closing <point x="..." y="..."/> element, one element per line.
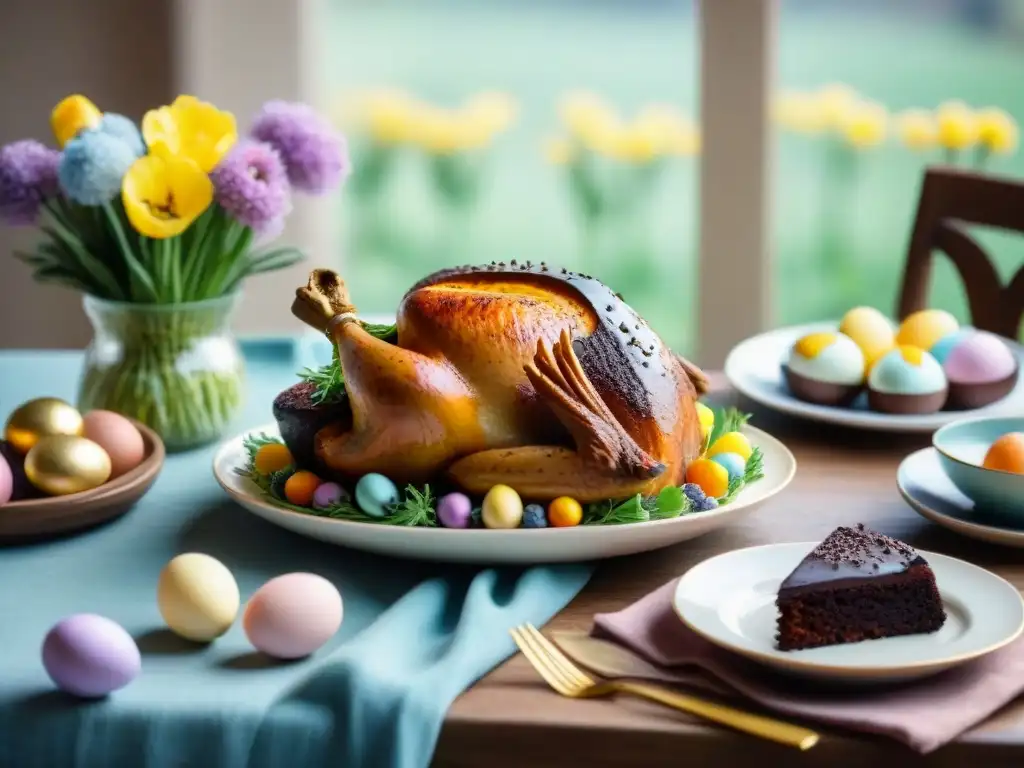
<point x="90" y="656"/>
<point x="6" y="481"/>
<point x="328" y="495"/>
<point x="453" y="510"/>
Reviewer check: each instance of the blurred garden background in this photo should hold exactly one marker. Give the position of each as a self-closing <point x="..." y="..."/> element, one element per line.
<point x="567" y="131"/>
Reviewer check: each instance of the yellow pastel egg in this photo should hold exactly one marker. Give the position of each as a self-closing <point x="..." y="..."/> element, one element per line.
<point x="731" y="442"/>
<point x="502" y="508"/>
<point x="870" y="330"/>
<point x="707" y="420"/>
<point x="922" y="329"/>
<point x="197" y="597"/>
<point x="711" y="476"/>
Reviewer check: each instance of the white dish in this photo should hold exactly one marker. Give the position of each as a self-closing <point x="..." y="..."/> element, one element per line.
<point x="927" y="489"/>
<point x="523" y="546"/>
<point x="730" y="601"/>
<point x="754" y="368"/>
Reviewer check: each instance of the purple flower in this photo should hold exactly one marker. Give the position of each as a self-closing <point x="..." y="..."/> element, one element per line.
<point x="315" y="154"/>
<point x="28" y="176"/>
<point x="251" y="184"/>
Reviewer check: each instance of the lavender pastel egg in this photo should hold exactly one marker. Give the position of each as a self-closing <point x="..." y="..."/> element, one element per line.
<point x="328" y="495"/>
<point x="454" y="510"/>
<point x="90" y="656"/>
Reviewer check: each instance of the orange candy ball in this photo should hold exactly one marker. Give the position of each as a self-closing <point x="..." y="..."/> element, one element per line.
<point x="564" y="512"/>
<point x="271" y="458"/>
<point x="1006" y="454"/>
<point x="711" y="476"/>
<point x="300" y="487"/>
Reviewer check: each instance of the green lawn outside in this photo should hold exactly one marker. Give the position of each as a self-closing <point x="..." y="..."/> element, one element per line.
<point x="631" y="58"/>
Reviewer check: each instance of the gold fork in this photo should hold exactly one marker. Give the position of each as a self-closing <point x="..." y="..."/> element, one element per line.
<point x="570" y="681"/>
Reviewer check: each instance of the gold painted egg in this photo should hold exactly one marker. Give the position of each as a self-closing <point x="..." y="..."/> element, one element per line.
<point x="61" y="464"/>
<point x="40" y="418"/>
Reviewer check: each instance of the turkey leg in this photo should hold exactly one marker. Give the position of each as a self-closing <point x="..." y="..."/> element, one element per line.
<point x="607" y="461"/>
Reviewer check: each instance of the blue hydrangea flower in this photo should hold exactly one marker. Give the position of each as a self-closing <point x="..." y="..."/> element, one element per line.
<point x="92" y="167"/>
<point x="706" y="505"/>
<point x="694" y="493"/>
<point x="124" y="129"/>
<point x="534" y="516"/>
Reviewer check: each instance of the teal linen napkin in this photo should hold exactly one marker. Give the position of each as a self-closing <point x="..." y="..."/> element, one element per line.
<point x="415" y="634"/>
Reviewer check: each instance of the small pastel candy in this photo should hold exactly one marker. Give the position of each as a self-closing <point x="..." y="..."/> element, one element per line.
<point x="731" y="442"/>
<point x="502" y="508"/>
<point x="454" y="510"/>
<point x="374" y="493"/>
<point x="534" y="516"/>
<point x="711" y="476"/>
<point x="733" y="463"/>
<point x="329" y="495"/>
<point x="565" y="512"/>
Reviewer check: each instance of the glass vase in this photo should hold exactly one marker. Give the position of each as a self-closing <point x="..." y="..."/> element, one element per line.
<point x="176" y="368"/>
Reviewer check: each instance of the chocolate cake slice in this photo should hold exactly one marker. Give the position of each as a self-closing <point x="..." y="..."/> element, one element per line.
<point x="857" y="585"/>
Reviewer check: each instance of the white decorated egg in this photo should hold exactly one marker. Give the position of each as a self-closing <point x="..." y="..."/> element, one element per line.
<point x="833" y="358"/>
<point x="907" y="370"/>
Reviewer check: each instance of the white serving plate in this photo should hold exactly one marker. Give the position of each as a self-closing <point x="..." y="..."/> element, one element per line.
<point x="730" y="601"/>
<point x="925" y="487"/>
<point x="520" y="545"/>
<point x="754" y="367"/>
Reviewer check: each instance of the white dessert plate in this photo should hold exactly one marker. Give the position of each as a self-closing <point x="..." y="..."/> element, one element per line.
<point x="730" y="601"/>
<point x="927" y="489"/>
<point x="520" y="545"/>
<point x="754" y="368"/>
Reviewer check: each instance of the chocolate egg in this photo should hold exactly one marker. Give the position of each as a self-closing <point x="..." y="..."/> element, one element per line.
<point x="980" y="368"/>
<point x="825" y="368"/>
<point x="40" y="418"/>
<point x="62" y="464"/>
<point x="924" y="329"/>
<point x="870" y="330"/>
<point x="907" y="380"/>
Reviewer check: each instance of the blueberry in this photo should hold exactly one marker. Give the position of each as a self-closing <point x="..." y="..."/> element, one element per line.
<point x="694" y="493"/>
<point x="534" y="516"/>
<point x="707" y="504"/>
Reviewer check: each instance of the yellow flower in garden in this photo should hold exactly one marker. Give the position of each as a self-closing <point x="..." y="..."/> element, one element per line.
<point x="493" y="109"/>
<point x="586" y="115"/>
<point x="163" y="195"/>
<point x="669" y="129"/>
<point x="997" y="131"/>
<point x="865" y="125"/>
<point x="835" y="103"/>
<point x="558" y="150"/>
<point x="72" y="115"/>
<point x="800" y="112"/>
<point x="389" y="116"/>
<point x="190" y="128"/>
<point x="918" y="129"/>
<point x="624" y="143"/>
<point x="441" y="132"/>
<point x="958" y="125"/>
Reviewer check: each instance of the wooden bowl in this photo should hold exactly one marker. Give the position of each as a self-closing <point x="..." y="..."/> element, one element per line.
<point x="57" y="515"/>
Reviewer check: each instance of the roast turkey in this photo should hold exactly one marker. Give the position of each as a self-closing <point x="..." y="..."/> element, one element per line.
<point x="523" y="374"/>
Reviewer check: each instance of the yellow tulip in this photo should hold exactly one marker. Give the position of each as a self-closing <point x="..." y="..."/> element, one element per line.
<point x="492" y="109"/>
<point x="800" y="113"/>
<point x="835" y="102"/>
<point x="558" y="150"/>
<point x="72" y="115"/>
<point x="997" y="131"/>
<point x="625" y="144"/>
<point x="667" y="128"/>
<point x="164" y="195"/>
<point x="865" y="125"/>
<point x="918" y="129"/>
<point x="958" y="125"/>
<point x="388" y="116"/>
<point x="441" y="132"/>
<point x="585" y="114"/>
<point x="190" y="128"/>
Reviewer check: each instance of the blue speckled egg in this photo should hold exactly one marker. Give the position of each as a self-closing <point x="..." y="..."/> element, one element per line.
<point x="733" y="463"/>
<point x="534" y="516"/>
<point x="374" y="493"/>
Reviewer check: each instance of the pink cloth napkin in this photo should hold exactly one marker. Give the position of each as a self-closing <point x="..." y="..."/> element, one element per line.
<point x="924" y="714"/>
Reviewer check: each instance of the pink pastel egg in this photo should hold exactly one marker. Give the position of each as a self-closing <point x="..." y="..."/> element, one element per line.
<point x="979" y="358"/>
<point x="6" y="481"/>
<point x="293" y="615"/>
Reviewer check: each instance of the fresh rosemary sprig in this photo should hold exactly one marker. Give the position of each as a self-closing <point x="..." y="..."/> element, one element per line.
<point x="417" y="508"/>
<point x="328" y="380"/>
<point x="754" y="471"/>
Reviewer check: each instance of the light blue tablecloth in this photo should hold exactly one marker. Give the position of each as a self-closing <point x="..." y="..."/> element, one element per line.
<point x="414" y="636"/>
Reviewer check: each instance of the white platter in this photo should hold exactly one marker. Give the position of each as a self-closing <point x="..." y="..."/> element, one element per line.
<point x="754" y="368"/>
<point x="730" y="601"/>
<point x="520" y="545"/>
<point x="925" y="487"/>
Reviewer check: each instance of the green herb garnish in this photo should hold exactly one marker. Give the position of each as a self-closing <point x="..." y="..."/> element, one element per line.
<point x="417" y="508"/>
<point x="328" y="380"/>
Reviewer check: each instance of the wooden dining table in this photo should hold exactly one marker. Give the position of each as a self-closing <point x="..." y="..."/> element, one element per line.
<point x="510" y="718"/>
